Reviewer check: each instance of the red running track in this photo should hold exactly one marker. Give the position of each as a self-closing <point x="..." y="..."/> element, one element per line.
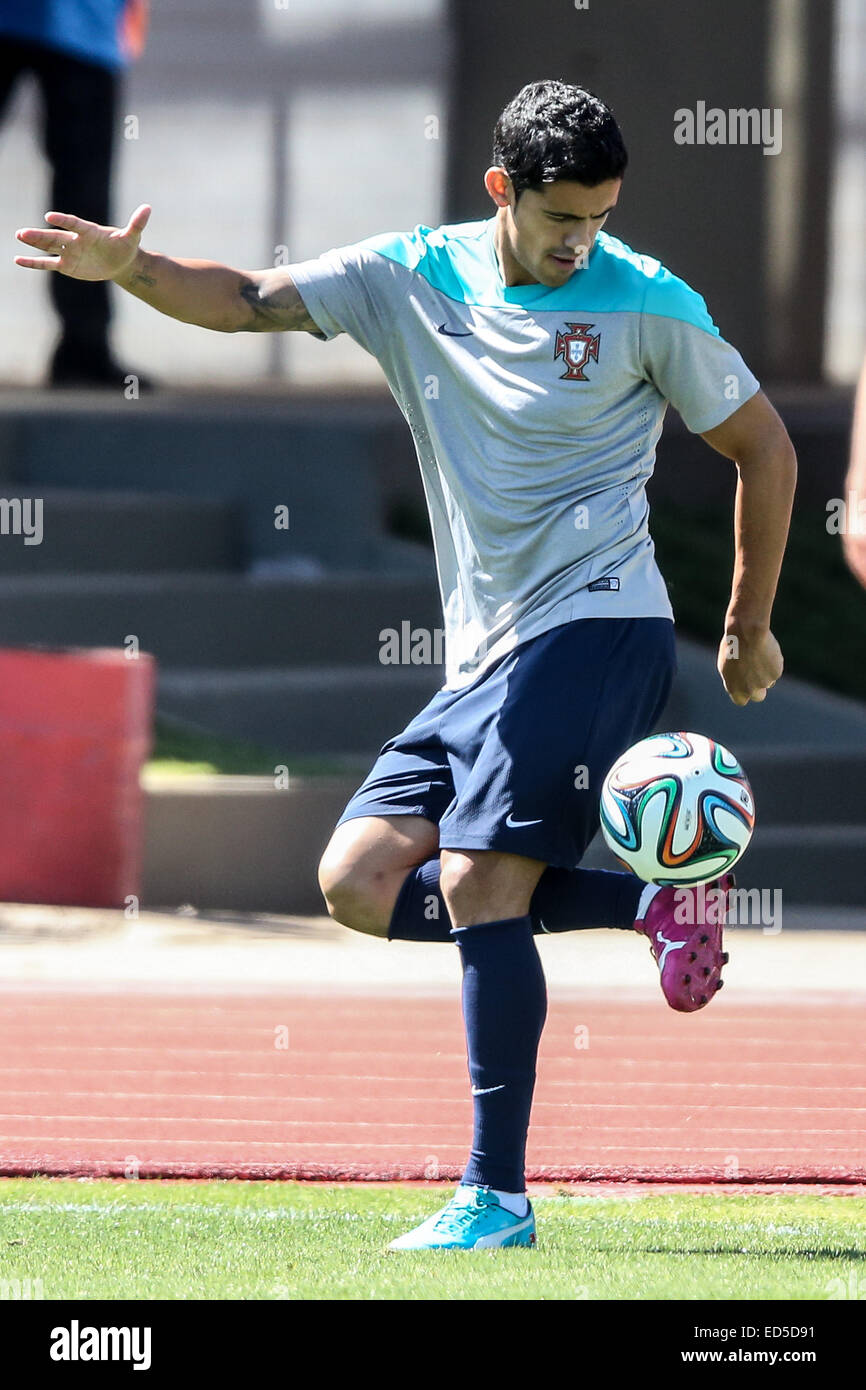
<point x="340" y="1088"/>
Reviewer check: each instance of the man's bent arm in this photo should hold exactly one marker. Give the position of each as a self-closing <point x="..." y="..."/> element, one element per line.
<point x="756" y="439"/>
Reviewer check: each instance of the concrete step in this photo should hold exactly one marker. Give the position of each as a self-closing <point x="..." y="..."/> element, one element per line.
<point x="809" y="863"/>
<point x="59" y="530"/>
<point x="318" y="710"/>
<point x="796" y="785"/>
<point x="313" y="710"/>
<point x="220" y="620"/>
<point x="322" y="471"/>
<point x="238" y="842"/>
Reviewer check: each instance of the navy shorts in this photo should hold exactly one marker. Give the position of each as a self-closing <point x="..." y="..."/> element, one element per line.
<point x="515" y="761"/>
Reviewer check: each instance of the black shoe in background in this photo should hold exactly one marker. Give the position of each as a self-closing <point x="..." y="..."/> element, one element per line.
<point x="74" y="365"/>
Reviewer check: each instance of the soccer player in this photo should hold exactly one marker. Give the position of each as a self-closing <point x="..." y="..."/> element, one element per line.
<point x="533" y="356"/>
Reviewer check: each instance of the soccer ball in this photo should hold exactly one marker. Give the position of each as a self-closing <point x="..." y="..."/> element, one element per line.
<point x="677" y="808"/>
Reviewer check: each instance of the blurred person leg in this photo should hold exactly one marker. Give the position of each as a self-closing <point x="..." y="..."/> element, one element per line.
<point x="15" y="58"/>
<point x="80" y="105"/>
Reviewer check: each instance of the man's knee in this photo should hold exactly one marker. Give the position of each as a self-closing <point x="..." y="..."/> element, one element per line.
<point x="352" y="895"/>
<point x="365" y="866"/>
<point x="466" y="881"/>
<point x="459" y="875"/>
<point x="485" y="885"/>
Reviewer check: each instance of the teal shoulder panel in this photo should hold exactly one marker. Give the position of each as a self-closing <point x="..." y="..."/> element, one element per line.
<point x="450" y="258"/>
<point x="459" y="260"/>
<point x="620" y="280"/>
<point x="666" y="294"/>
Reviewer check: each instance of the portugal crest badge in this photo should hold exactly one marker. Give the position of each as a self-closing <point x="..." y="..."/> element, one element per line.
<point x="577" y="348"/>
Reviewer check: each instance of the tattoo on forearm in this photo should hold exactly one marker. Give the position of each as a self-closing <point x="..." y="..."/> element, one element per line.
<point x="276" y="307"/>
<point x="139" y="278"/>
<point x="263" y="316"/>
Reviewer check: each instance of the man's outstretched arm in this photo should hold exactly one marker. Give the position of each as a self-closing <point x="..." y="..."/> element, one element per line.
<point x="756" y="439"/>
<point x="205" y="293"/>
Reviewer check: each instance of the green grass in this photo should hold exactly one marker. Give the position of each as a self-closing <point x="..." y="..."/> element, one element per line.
<point x="183" y="751"/>
<point x="222" y="1240"/>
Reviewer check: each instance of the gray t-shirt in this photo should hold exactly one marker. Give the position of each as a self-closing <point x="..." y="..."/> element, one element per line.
<point x="535" y="414"/>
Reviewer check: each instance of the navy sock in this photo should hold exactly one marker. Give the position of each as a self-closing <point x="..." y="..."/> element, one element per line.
<point x="575" y="899"/>
<point x="420" y="913"/>
<point x="504" y="1008"/>
<point x="565" y="900"/>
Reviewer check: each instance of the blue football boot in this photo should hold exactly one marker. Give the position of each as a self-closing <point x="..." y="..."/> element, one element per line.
<point x="472" y="1220"/>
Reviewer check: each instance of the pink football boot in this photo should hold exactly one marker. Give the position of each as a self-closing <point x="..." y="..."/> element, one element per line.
<point x="684" y="926"/>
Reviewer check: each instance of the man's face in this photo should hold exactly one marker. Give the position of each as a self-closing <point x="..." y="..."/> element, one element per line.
<point x="549" y="233"/>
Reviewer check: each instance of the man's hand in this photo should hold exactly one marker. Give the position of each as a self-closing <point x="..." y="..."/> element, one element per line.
<point x="84" y="250"/>
<point x="749" y="666"/>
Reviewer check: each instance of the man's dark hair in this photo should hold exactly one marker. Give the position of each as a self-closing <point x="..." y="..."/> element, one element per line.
<point x="551" y="131"/>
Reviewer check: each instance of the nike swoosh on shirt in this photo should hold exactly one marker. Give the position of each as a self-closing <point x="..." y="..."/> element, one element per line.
<point x="516" y="824"/>
<point x="485" y="1090"/>
<point x="454" y="333"/>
